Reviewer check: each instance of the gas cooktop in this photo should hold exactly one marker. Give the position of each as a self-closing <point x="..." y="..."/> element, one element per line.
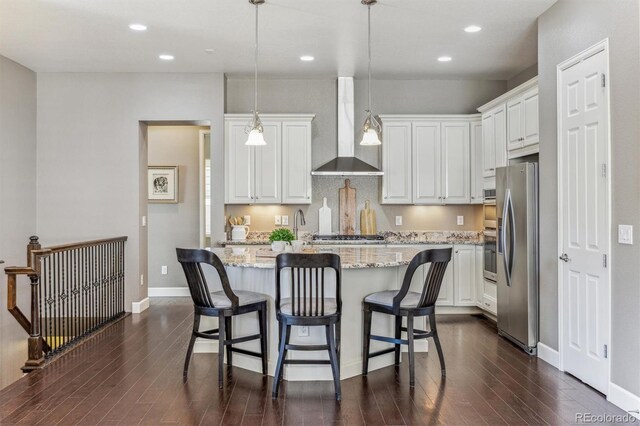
<point x="348" y="238"/>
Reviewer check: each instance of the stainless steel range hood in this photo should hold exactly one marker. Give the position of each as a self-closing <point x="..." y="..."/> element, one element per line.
<point x="346" y="164"/>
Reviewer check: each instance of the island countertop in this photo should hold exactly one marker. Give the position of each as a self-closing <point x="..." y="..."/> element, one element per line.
<point x="350" y="257"/>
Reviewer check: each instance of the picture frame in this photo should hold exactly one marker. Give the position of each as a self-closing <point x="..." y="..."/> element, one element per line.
<point x="162" y="183"/>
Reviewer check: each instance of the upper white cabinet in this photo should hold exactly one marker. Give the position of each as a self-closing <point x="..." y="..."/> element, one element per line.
<point x="396" y="162"/>
<point x="277" y="173"/>
<point x="426" y="159"/>
<point x="477" y="171"/>
<point x="522" y="120"/>
<point x="494" y="135"/>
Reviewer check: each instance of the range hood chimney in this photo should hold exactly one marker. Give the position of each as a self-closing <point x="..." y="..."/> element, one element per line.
<point x="346" y="164"/>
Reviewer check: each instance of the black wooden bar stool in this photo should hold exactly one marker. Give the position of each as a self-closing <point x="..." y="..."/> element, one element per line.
<point x="223" y="304"/>
<point x="309" y="305"/>
<point x="404" y="303"/>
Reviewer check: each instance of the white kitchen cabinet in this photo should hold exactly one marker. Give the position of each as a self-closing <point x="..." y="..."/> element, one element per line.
<point x="266" y="174"/>
<point x="396" y="162"/>
<point x="427" y="163"/>
<point x="477" y="175"/>
<point x="522" y="120"/>
<point x="456" y="167"/>
<point x="494" y="140"/>
<point x="490" y="297"/>
<point x="446" y="295"/>
<point x="479" y="274"/>
<point x="465" y="275"/>
<point x="296" y="162"/>
<point x="514" y="123"/>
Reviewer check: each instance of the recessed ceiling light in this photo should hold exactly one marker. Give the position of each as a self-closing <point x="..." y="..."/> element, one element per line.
<point x="307" y="58"/>
<point x="473" y="29"/>
<point x="444" y="58"/>
<point x="166" y="57"/>
<point x="138" y="27"/>
<point x="209" y="51"/>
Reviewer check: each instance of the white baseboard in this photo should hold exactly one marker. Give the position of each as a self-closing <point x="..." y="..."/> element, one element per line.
<point x="549" y="355"/>
<point x="624" y="399"/>
<point x="141" y="306"/>
<point x="169" y="292"/>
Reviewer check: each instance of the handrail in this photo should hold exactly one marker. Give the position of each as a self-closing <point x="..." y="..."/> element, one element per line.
<point x="65" y="279"/>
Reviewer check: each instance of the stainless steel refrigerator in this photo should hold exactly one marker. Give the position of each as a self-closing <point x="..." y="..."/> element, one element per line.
<point x="517" y="275"/>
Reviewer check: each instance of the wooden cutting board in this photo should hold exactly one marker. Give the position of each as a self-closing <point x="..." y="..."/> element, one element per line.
<point x="347" y="209"/>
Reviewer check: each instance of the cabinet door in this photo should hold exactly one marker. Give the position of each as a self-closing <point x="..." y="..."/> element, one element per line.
<point x="396" y="163"/>
<point x="239" y="164"/>
<point x="530" y="126"/>
<point x="500" y="136"/>
<point x="456" y="170"/>
<point x="268" y="165"/>
<point x="464" y="276"/>
<point x="296" y="162"/>
<point x="479" y="274"/>
<point x="427" y="172"/>
<point x="477" y="179"/>
<point x="488" y="146"/>
<point x="514" y="123"/>
<point x="445" y="297"/>
<point x="489" y="298"/>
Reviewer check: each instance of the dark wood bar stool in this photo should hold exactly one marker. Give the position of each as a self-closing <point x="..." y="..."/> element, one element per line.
<point x="309" y="305"/>
<point x="404" y="303"/>
<point x="224" y="305"/>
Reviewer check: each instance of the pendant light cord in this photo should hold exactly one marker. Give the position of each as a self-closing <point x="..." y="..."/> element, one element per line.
<point x="255" y="76"/>
<point x="369" y="44"/>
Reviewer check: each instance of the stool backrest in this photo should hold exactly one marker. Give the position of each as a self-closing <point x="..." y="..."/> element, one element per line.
<point x="191" y="261"/>
<point x="439" y="259"/>
<point x="307" y="287"/>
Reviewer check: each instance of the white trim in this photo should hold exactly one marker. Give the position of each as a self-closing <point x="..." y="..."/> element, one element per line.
<point x="549" y="355"/>
<point x="435" y="117"/>
<point x="511" y="93"/>
<point x="275" y="117"/>
<point x="624" y="399"/>
<point x="169" y="292"/>
<point x="587" y="53"/>
<point x="139" y="307"/>
<point x="523" y="152"/>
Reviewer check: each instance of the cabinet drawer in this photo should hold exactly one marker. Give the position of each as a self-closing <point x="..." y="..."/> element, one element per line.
<point x="490" y="305"/>
<point x="490" y="289"/>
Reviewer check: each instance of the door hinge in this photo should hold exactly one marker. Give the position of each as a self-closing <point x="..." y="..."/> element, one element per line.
<point x="604" y="80"/>
<point x="606" y="351"/>
<point x="604" y="170"/>
<point x="604" y="260"/>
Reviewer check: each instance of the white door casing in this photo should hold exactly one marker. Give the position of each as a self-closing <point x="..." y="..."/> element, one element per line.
<point x="584" y="217"/>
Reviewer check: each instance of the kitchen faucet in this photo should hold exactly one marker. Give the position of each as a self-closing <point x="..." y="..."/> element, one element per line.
<point x="299" y="214"/>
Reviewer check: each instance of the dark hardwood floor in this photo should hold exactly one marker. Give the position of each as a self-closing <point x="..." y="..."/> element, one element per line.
<point x="132" y="374"/>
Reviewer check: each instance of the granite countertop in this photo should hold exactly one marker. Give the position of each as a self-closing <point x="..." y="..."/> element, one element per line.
<point x="390" y="238"/>
<point x="350" y="257"/>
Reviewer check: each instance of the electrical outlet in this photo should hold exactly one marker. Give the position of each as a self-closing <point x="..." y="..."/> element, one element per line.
<point x="247" y="219"/>
<point x="141" y="280"/>
<point x="625" y="234"/>
<point x="144" y="221"/>
<point x="398" y="220"/>
<point x="303" y="331"/>
<point x="163" y="269"/>
<point x="285" y="220"/>
<point x="278" y="219"/>
<point x="460" y="220"/>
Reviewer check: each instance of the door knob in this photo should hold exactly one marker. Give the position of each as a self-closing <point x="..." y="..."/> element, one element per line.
<point x="565" y="258"/>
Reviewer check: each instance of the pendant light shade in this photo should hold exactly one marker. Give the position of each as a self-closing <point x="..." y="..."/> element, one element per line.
<point x="371" y="129"/>
<point x="254" y="128"/>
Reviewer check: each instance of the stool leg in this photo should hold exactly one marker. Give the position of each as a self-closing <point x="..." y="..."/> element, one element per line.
<point x="398" y="336"/>
<point x="196" y="327"/>
<point x="412" y="372"/>
<point x="333" y="356"/>
<point x="262" y="321"/>
<point x="229" y="333"/>
<point x="221" y="338"/>
<point x="338" y="339"/>
<point x="282" y="353"/>
<point x="436" y="339"/>
<point x="366" y="338"/>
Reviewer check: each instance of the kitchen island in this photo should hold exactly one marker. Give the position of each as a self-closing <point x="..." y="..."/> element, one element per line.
<point x="365" y="270"/>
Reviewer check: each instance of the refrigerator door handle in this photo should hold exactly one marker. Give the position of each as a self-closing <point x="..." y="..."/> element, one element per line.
<point x="512" y="237"/>
<point x="503" y="236"/>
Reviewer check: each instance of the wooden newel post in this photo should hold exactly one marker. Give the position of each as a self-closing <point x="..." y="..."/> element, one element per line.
<point x="36" y="356"/>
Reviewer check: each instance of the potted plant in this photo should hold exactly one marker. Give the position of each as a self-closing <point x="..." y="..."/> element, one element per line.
<point x="280" y="238"/>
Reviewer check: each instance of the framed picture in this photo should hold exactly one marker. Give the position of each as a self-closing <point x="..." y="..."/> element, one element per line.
<point x="163" y="184"/>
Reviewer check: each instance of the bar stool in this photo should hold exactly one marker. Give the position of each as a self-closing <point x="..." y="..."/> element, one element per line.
<point x="223" y="304"/>
<point x="404" y="303"/>
<point x="309" y="305"/>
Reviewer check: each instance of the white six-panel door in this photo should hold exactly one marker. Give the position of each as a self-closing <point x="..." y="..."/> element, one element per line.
<point x="584" y="219"/>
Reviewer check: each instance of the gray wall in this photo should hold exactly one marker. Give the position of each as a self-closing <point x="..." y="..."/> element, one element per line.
<point x="566" y="29"/>
<point x="17" y="202"/>
<point x="174" y="225"/>
<point x="319" y="96"/>
<point x="90" y="157"/>
<point x="522" y="77"/>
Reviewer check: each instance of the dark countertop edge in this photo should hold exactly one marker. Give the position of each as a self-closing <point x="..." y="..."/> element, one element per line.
<point x="351" y="243"/>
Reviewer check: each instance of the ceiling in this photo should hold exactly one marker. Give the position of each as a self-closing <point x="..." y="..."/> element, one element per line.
<point x="407" y="35"/>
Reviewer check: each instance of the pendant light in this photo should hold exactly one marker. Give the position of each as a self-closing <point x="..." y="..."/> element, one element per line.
<point x="254" y="128"/>
<point x="371" y="129"/>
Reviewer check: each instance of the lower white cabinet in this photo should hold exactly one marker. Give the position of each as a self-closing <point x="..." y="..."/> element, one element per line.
<point x="490" y="297"/>
<point x="464" y="277"/>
